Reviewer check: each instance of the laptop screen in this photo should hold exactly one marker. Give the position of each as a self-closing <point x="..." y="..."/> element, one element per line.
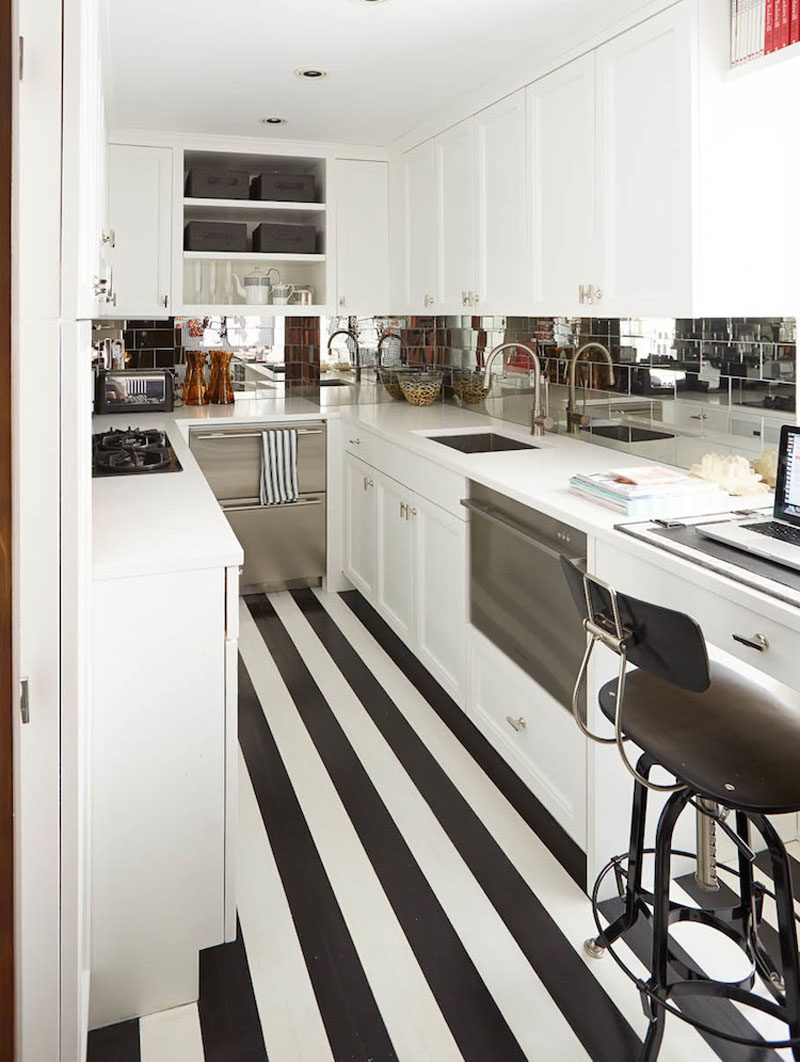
<point x="787" y="485"/>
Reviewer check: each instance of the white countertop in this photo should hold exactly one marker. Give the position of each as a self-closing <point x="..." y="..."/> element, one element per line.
<point x="147" y="525"/>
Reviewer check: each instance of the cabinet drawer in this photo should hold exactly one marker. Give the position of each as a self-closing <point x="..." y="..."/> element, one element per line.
<point x="531" y="730"/>
<point x="360" y="443"/>
<point x="736" y="628"/>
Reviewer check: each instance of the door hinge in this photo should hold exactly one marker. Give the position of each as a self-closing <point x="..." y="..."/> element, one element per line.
<point x="21" y="57"/>
<point x="24" y="701"/>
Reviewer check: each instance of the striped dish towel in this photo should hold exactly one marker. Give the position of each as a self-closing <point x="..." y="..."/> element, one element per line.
<point x="279" y="466"/>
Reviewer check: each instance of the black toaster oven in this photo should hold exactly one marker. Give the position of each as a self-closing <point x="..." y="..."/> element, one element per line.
<point x="134" y="391"/>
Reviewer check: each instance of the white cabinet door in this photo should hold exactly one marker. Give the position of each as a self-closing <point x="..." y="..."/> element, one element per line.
<point x="456" y="177"/>
<point x="562" y="174"/>
<point x="362" y="236"/>
<point x="361" y="524"/>
<point x="395" y="589"/>
<point x="420" y="220"/>
<point x="644" y="167"/>
<point x="440" y="579"/>
<point x="504" y="256"/>
<point x="140" y="214"/>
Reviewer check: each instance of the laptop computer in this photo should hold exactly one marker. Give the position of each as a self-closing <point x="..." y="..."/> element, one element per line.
<point x="776" y="539"/>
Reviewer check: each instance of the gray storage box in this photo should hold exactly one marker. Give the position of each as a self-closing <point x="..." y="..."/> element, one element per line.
<point x="215" y="236"/>
<point x="218" y="184"/>
<point x="284" y="187"/>
<point x="284" y="239"/>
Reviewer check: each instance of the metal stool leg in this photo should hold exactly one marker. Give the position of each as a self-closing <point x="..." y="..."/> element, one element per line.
<point x="787" y="929"/>
<point x="658" y="970"/>
<point x="595" y="947"/>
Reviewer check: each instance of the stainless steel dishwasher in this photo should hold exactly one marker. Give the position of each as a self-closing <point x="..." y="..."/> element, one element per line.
<point x="284" y="545"/>
<point x="519" y="597"/>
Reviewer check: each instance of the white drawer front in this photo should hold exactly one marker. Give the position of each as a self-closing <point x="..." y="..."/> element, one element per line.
<point x="726" y="624"/>
<point x="534" y="733"/>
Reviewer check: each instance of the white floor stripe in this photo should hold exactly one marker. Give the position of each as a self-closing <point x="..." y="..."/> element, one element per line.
<point x="533" y="1017"/>
<point x="172" y="1036"/>
<point x="290" y="1018"/>
<point x="415" y="1024"/>
<point x="562" y="898"/>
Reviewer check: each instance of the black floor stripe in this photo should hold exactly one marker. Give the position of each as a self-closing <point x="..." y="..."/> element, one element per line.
<point x="352" y="1021"/>
<point x="718" y="1013"/>
<point x="594" y="1018"/>
<point x="229" y="1020"/>
<point x="474" y="1019"/>
<point x="115" y="1043"/>
<point x="567" y="852"/>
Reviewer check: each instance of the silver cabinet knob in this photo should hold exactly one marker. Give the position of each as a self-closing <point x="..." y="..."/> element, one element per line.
<point x="355" y="442"/>
<point x="517" y="724"/>
<point x="759" y="642"/>
<point x="342" y="301"/>
<point x="428" y="300"/>
<point x="410" y="511"/>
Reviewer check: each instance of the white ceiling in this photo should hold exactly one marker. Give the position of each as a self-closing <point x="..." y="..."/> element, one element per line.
<point x="216" y="66"/>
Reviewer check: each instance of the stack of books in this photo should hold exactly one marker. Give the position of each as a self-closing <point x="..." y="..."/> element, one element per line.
<point x="759" y="27"/>
<point x="650" y="491"/>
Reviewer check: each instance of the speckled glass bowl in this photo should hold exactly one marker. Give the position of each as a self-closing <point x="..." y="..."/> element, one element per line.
<point x="421" y="388"/>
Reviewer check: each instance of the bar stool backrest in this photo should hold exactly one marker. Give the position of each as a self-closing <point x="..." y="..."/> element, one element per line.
<point x="664" y="642"/>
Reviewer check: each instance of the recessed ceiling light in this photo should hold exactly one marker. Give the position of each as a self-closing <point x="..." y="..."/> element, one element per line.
<point x="272" y="121"/>
<point x="311" y="73"/>
<point x="368" y="1"/>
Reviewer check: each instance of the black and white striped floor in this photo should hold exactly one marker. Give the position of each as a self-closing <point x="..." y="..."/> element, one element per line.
<point x="395" y="901"/>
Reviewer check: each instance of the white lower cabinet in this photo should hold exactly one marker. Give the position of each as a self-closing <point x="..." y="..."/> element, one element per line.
<point x="440" y="579"/>
<point x="408" y="557"/>
<point x="361" y="518"/>
<point x="395" y="543"/>
<point x="533" y="732"/>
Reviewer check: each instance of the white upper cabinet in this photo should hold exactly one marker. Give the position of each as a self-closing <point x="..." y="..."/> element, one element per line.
<point x="457" y="201"/>
<point x="362" y="236"/>
<point x="562" y="171"/>
<point x="504" y="247"/>
<point x="420" y="225"/>
<point x="140" y="211"/>
<point x="644" y="167"/>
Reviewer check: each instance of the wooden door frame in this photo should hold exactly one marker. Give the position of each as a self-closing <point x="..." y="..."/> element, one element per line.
<point x="7" y="698"/>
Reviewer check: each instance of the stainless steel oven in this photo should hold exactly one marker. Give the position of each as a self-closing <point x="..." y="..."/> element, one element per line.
<point x="518" y="595"/>
<point x="284" y="545"/>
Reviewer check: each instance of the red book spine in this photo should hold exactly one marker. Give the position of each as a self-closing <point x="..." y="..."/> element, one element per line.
<point x="769" y="37"/>
<point x="794" y="35"/>
<point x="785" y="23"/>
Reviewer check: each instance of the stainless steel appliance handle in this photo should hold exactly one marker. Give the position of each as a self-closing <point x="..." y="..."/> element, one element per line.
<point x="268" y="508"/>
<point x="249" y="434"/>
<point x="486" y="512"/>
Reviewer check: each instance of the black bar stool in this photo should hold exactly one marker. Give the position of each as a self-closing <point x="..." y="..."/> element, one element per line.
<point x="733" y="748"/>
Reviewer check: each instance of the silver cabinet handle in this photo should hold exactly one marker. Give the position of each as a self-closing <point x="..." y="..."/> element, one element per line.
<point x="403" y="512"/>
<point x="582" y="294"/>
<point x="367" y="483"/>
<point x="758" y="642"/>
<point x="428" y="300"/>
<point x="165" y="300"/>
<point x="355" y="442"/>
<point x="517" y="724"/>
<point x="342" y="301"/>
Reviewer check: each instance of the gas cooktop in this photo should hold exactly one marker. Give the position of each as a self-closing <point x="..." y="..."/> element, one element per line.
<point x="132" y="452"/>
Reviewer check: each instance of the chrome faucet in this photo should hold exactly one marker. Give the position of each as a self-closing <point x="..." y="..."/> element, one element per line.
<point x="351" y="335"/>
<point x="539" y="421"/>
<point x="382" y="340"/>
<point x="576" y="420"/>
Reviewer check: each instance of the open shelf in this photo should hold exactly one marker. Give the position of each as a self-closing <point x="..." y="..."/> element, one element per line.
<point x="250" y="209"/>
<point x="240" y="309"/>
<point x="250" y="256"/>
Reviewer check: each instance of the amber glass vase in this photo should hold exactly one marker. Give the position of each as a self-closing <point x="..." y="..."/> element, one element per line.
<point x="220" y="387"/>
<point x="194" y="391"/>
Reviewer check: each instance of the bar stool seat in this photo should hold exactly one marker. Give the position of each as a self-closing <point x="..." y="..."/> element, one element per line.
<point x="735" y="743"/>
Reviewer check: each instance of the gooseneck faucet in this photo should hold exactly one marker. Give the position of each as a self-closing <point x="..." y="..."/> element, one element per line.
<point x="382" y="340"/>
<point x="576" y="420"/>
<point x="350" y="335"/>
<point x="539" y="422"/>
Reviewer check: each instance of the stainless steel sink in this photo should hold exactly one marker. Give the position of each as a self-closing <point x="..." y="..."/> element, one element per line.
<point x="626" y="434"/>
<point x="335" y="383"/>
<point x="482" y="442"/>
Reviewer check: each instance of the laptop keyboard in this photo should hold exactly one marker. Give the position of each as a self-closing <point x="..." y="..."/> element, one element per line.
<point x="774" y="529"/>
